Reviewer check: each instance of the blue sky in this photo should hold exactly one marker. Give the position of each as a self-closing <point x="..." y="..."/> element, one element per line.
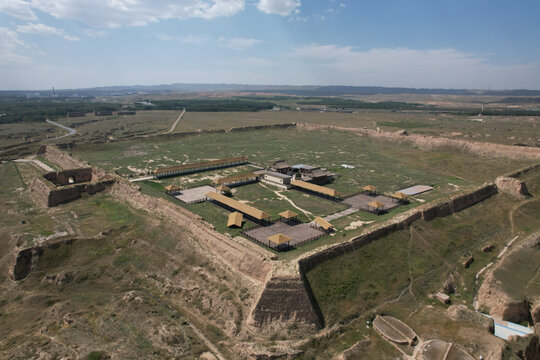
<point x="411" y="43"/>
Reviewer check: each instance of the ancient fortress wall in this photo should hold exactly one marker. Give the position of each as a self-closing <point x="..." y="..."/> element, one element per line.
<point x="39" y="191"/>
<point x="61" y="158"/>
<point x="46" y="194"/>
<point x="235" y="255"/>
<point x="284" y="300"/>
<point x="287" y="298"/>
<point x="429" y="143"/>
<point x="61" y="178"/>
<point x="426" y="212"/>
<point x="54" y="188"/>
<point x="522" y="171"/>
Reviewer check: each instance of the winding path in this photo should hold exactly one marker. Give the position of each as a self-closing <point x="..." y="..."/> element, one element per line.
<point x="70" y="130"/>
<point x="176" y="122"/>
<point x="283" y="197"/>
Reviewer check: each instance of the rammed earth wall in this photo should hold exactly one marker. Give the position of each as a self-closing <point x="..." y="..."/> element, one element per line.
<point x="426" y="212"/>
<point x="231" y="252"/>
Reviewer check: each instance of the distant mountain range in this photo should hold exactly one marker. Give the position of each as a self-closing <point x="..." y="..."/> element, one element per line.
<point x="311" y="90"/>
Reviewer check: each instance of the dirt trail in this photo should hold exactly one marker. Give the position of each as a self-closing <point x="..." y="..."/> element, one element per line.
<point x="176" y="122"/>
<point x="503" y="251"/>
<point x="513" y="212"/>
<point x="70" y="130"/>
<point x="283" y="197"/>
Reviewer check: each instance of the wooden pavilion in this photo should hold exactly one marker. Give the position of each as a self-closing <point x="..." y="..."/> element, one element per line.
<point x="400" y="197"/>
<point x="223" y="189"/>
<point x="370" y="189"/>
<point x="172" y="189"/>
<point x="278" y="240"/>
<point x="288" y="216"/>
<point x="376" y="207"/>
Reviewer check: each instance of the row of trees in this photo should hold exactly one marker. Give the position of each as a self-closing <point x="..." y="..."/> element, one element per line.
<point x="209" y="105"/>
<point x="15" y="110"/>
<point x="356" y="104"/>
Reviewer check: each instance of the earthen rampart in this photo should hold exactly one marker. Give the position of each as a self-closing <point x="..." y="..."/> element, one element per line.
<point x="47" y="194"/>
<point x="235" y="255"/>
<point x="400" y="222"/>
<point x="67" y="177"/>
<point x="26" y="259"/>
<point x="522" y="171"/>
<point x="285" y="300"/>
<point x="429" y="142"/>
<point x="59" y="157"/>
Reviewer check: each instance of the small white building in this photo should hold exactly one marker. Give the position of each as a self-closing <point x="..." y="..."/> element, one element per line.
<point x="277" y="179"/>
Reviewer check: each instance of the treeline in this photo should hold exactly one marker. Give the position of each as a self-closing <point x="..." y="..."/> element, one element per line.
<point x="15" y="110"/>
<point x="356" y="104"/>
<point x="208" y="105"/>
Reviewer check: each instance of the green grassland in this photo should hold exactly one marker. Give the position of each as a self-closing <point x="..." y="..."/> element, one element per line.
<point x="394" y="275"/>
<point x="497" y="129"/>
<point x="192" y="121"/>
<point x="16" y="133"/>
<point x="145" y="122"/>
<point x="388" y="166"/>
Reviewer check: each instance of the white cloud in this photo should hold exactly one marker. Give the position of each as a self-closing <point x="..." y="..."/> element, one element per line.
<point x="188" y="39"/>
<point x="439" y="68"/>
<point x="114" y="13"/>
<point x="95" y="33"/>
<point x="9" y="42"/>
<point x="279" y="7"/>
<point x="165" y="37"/>
<point x="33" y="28"/>
<point x="237" y="43"/>
<point x="18" y="8"/>
<point x="194" y="39"/>
<point x="256" y="62"/>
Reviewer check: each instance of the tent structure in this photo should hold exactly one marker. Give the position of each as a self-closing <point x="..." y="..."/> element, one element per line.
<point x="235" y="219"/>
<point x="323" y="223"/>
<point x="315" y="188"/>
<point x="238" y="206"/>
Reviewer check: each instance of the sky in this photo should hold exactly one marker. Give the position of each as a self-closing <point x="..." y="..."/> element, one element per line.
<point x="472" y="44"/>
